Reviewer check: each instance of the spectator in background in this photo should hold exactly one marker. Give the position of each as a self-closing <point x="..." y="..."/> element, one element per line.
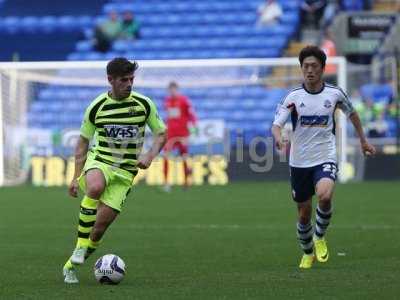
<point x="374" y="109"/>
<point x="330" y="12"/>
<point x="269" y="12"/>
<point x="363" y="110"/>
<point x="392" y="110"/>
<point x="181" y="121"/>
<point x="329" y="48"/>
<point x="379" y="127"/>
<point x="107" y="32"/>
<point x="312" y="9"/>
<point x="372" y="115"/>
<point x="352" y="5"/>
<point x="130" y="28"/>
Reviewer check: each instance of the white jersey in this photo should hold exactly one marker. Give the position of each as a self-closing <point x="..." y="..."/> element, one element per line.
<point x="313" y="119"/>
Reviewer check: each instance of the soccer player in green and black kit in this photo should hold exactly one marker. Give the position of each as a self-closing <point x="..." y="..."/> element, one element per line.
<point x="116" y="121"/>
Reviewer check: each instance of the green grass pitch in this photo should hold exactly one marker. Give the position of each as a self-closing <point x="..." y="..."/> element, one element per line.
<point x="231" y="242"/>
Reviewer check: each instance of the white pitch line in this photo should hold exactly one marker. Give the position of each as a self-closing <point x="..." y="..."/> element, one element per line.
<point x="250" y="227"/>
<point x="215" y="227"/>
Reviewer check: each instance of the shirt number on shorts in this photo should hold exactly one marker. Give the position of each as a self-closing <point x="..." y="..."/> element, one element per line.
<point x="330" y="168"/>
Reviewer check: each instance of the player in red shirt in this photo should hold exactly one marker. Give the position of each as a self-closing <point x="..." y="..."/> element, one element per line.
<point x="180" y="118"/>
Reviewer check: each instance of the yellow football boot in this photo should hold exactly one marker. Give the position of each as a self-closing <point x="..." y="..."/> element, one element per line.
<point x="321" y="250"/>
<point x="307" y="261"/>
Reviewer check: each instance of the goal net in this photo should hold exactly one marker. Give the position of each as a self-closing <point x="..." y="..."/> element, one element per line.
<point x="42" y="103"/>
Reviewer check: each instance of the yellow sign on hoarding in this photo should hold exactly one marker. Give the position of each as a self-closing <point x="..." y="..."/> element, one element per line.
<point x="56" y="171"/>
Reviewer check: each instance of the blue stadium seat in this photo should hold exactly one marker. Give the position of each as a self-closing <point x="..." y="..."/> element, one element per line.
<point x="67" y="23"/>
<point x="29" y="23"/>
<point x="84" y="46"/>
<point x="353" y="5"/>
<point x="248" y="104"/>
<point x="46" y="94"/>
<point x="290" y="18"/>
<point x="392" y="127"/>
<point x="44" y="24"/>
<point x="109" y="7"/>
<point x="377" y="92"/>
<point x="75" y="56"/>
<point x="48" y="24"/>
<point x="288" y="5"/>
<point x="384" y="93"/>
<point x="110" y="55"/>
<point x="93" y="56"/>
<point x="84" y="21"/>
<point x="277" y="93"/>
<point x="11" y="24"/>
<point x="267" y="105"/>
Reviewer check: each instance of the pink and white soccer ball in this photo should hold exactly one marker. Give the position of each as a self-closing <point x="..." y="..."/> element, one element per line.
<point x="109" y="269"/>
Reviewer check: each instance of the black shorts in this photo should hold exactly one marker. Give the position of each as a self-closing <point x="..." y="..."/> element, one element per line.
<point x="303" y="180"/>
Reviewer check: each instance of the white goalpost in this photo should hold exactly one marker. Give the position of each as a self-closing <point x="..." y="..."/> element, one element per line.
<point x="23" y="83"/>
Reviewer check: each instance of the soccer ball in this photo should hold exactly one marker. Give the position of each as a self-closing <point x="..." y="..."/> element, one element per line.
<point x="109" y="269"/>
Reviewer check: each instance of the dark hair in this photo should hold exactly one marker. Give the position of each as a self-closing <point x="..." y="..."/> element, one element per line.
<point x="120" y="66"/>
<point x="173" y="84"/>
<point x="312" y="51"/>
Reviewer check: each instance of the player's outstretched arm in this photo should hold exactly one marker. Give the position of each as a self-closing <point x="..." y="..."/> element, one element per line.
<point x="145" y="159"/>
<point x="366" y="147"/>
<point x="159" y="131"/>
<point x="81" y="150"/>
<point x="277" y="134"/>
<point x="282" y="113"/>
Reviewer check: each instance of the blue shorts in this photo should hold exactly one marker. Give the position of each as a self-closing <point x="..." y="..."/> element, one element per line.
<point x="303" y="180"/>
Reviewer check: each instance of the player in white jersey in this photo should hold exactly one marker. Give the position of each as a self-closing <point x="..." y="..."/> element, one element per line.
<point x="313" y="162"/>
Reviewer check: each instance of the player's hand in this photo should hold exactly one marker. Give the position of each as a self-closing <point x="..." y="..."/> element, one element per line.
<point x="144" y="161"/>
<point x="280" y="144"/>
<point x="367" y="148"/>
<point x="73" y="188"/>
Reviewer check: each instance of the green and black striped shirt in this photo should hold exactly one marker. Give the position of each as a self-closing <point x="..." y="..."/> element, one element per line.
<point x="118" y="127"/>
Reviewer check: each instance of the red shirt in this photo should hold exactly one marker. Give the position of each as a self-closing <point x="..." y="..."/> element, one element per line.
<point x="179" y="115"/>
<point x="328" y="46"/>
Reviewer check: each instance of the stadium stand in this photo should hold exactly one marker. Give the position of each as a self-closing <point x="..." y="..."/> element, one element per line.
<point x="377" y="92"/>
<point x="40" y="30"/>
<point x="22" y="8"/>
<point x="218" y="29"/>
